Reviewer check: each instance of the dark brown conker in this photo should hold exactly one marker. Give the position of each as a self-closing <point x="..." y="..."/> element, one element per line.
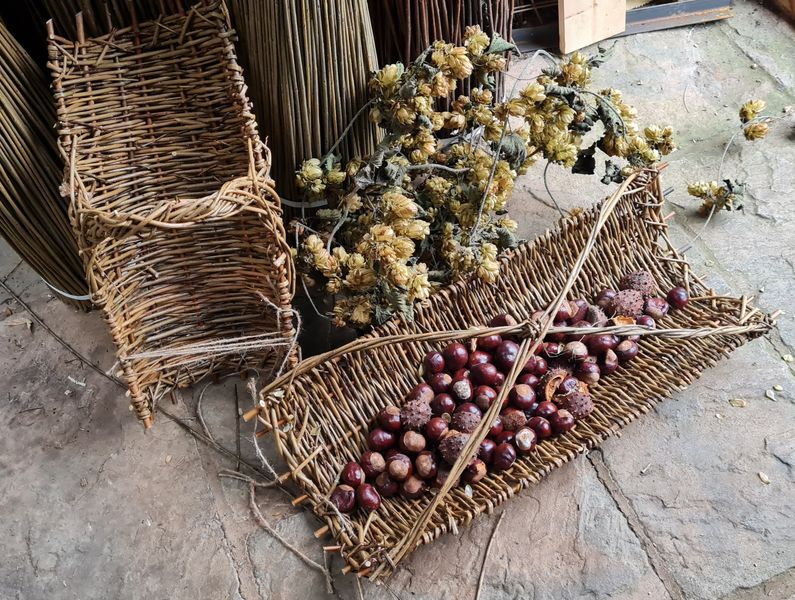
<point x="474" y="471"/>
<point x="442" y="476"/>
<point x="455" y="356"/>
<point x="372" y="463"/>
<point x="626" y="350"/>
<point x="646" y="321"/>
<point x="522" y="397"/>
<point x="421" y="391"/>
<point x="553" y="349"/>
<point x="379" y="439"/>
<point x="505" y="355"/>
<point x="486" y="450"/>
<point x="564" y="312"/>
<point x="604" y="297"/>
<point x="412" y="488"/>
<point x="484" y="397"/>
<point x="504" y="456"/>
<point x="562" y="421"/>
<point x="436" y="429"/>
<point x="485" y="374"/>
<point x="367" y="497"/>
<point x="568" y="385"/>
<point x="440" y="382"/>
<point x="425" y="465"/>
<point x="399" y="467"/>
<point x="678" y="297"/>
<point x="546" y="409"/>
<point x="530" y="379"/>
<point x="442" y="403"/>
<point x="609" y="362"/>
<point x="600" y="343"/>
<point x="541" y="367"/>
<point x="505" y="436"/>
<point x="433" y="362"/>
<point x="469" y="407"/>
<point x="588" y="372"/>
<point x="656" y="308"/>
<point x="525" y="441"/>
<point x="541" y="426"/>
<point x="344" y="498"/>
<point x="462" y="389"/>
<point x="412" y="442"/>
<point x="489" y="343"/>
<point x="576" y="351"/>
<point x="499" y="381"/>
<point x="389" y="418"/>
<point x="579" y="308"/>
<point x="352" y="474"/>
<point x="478" y="357"/>
<point x="386" y="486"/>
<point x="496" y="427"/>
<point x="502" y="320"/>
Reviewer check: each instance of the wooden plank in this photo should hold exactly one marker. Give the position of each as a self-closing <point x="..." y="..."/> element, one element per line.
<point x="585" y="22"/>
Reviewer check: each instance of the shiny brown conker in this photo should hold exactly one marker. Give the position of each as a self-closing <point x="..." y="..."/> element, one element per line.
<point x="522" y="397"/>
<point x="678" y="297"/>
<point x="367" y="497"/>
<point x="489" y="342"/>
<point x="372" y="463"/>
<point x="421" y="391"/>
<point x="399" y="467"/>
<point x="579" y="308"/>
<point x="344" y="498"/>
<point x="474" y="471"/>
<point x="440" y="382"/>
<point x="496" y="427"/>
<point x="569" y="384"/>
<point x="486" y="450"/>
<point x="541" y="426"/>
<point x="484" y="397"/>
<point x="504" y="456"/>
<point x="604" y="297"/>
<point x="525" y="441"/>
<point x="504" y="437"/>
<point x="564" y="312"/>
<point x="505" y="355"/>
<point x="389" y="418"/>
<point x="600" y="343"/>
<point x="455" y="356"/>
<point x="656" y="308"/>
<point x="478" y="357"/>
<point x="442" y="403"/>
<point x="576" y="351"/>
<point x="412" y="442"/>
<point x="588" y="372"/>
<point x="530" y="379"/>
<point x="462" y="389"/>
<point x="546" y="409"/>
<point x="646" y="321"/>
<point x="412" y="488"/>
<point x="386" y="486"/>
<point x="609" y="363"/>
<point x="436" y="429"/>
<point x="379" y="439"/>
<point x="485" y="374"/>
<point x="425" y="465"/>
<point x="433" y="362"/>
<point x="562" y="421"/>
<point x="352" y="474"/>
<point x="502" y="320"/>
<point x="626" y="350"/>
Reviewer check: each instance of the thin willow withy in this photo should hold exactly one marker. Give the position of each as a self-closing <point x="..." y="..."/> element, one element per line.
<point x="336" y="396"/>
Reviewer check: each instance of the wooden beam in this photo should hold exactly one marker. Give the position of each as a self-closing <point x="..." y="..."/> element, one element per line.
<point x="585" y="22"/>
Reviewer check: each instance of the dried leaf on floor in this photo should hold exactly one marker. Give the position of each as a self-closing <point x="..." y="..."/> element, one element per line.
<point x="18" y="322"/>
<point x="738" y="403"/>
<point x="770" y="394"/>
<point x="763" y="478"/>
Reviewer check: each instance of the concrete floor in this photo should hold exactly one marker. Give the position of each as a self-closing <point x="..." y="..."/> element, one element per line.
<point x="93" y="507"/>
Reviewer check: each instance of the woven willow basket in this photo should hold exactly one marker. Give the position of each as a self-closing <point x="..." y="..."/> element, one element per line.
<point x="176" y="217"/>
<point x="320" y="412"/>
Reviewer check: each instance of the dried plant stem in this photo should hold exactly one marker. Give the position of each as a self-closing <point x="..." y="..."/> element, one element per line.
<point x="486" y="555"/>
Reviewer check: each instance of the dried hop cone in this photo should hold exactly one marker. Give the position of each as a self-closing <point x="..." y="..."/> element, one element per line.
<point x="466" y="422"/>
<point x="452" y="446"/>
<point x="579" y="404"/>
<point x="415" y="414"/>
<point x="627" y="303"/>
<point x="640" y="281"/>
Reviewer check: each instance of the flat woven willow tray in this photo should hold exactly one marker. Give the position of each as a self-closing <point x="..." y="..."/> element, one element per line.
<point x="176" y="218"/>
<point x="329" y="401"/>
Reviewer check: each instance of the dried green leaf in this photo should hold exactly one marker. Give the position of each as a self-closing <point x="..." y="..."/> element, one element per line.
<point x="499" y="45"/>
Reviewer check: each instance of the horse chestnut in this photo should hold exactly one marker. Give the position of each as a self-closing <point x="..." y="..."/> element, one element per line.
<point x="372" y="463"/>
<point x="486" y="450"/>
<point x="455" y="356"/>
<point x="562" y="421"/>
<point x="399" y="467"/>
<point x="541" y="426"/>
<point x="605" y="297"/>
<point x="504" y="457"/>
<point x="576" y="351"/>
<point x="352" y="474"/>
<point x="474" y="471"/>
<point x="646" y="321"/>
<point x="367" y="497"/>
<point x="505" y="437"/>
<point x="609" y="363"/>
<point x="569" y="384"/>
<point x="389" y="418"/>
<point x="656" y="308"/>
<point x="484" y="397"/>
<point x="485" y="374"/>
<point x="442" y="403"/>
<point x="678" y="297"/>
<point x="626" y="350"/>
<point x="436" y="429"/>
<point x="412" y="442"/>
<point x="344" y="498"/>
<point x="505" y="355"/>
<point x="478" y="357"/>
<point x="488" y="343"/>
<point x="522" y="397"/>
<point x="380" y="439"/>
<point x="425" y="465"/>
<point x="496" y="427"/>
<point x="433" y="362"/>
<point x="502" y="320"/>
<point x="564" y="312"/>
<point x="462" y="390"/>
<point x="386" y="486"/>
<point x="530" y="379"/>
<point x="525" y="441"/>
<point x="601" y="343"/>
<point x="412" y="488"/>
<point x="421" y="391"/>
<point x="546" y="409"/>
<point x="588" y="372"/>
<point x="579" y="308"/>
<point x="440" y="382"/>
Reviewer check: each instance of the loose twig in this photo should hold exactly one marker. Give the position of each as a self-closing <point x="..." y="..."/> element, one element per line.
<point x="486" y="556"/>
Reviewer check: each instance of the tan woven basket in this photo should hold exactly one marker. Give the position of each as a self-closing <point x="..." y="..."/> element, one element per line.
<point x="321" y="411"/>
<point x="176" y="217"/>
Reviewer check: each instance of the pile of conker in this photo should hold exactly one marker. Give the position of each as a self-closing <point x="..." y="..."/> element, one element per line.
<point x="413" y="447"/>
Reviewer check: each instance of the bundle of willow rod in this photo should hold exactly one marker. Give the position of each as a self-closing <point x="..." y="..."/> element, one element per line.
<point x="332" y="399"/>
<point x="403" y="29"/>
<point x="171" y="200"/>
<point x="32" y="213"/>
<point x="307" y="64"/>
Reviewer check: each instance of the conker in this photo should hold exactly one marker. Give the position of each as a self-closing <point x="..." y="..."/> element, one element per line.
<point x="504" y="456"/>
<point x="442" y="475"/>
<point x="462" y="390"/>
<point x="386" y="486"/>
<point x="469" y="407"/>
<point x="352" y="474"/>
<point x="530" y="379"/>
<point x="505" y="437"/>
<point x="540" y="368"/>
<point x="412" y="488"/>
<point x="502" y="320"/>
<point x="440" y="382"/>
<point x="380" y="439"/>
<point x="609" y="362"/>
<point x="579" y="308"/>
<point x="646" y="321"/>
<point x="442" y="403"/>
<point x="522" y="397"/>
<point x="489" y="342"/>
<point x="485" y="374"/>
<point x="421" y="391"/>
<point x="541" y="426"/>
<point x="626" y="350"/>
<point x="486" y="450"/>
<point x="484" y="397"/>
<point x="513" y="419"/>
<point x="553" y="349"/>
<point x="372" y="463"/>
<point x="601" y="343"/>
<point x="499" y="380"/>
<point x="478" y="357"/>
<point x="505" y="355"/>
<point x="562" y="421"/>
<point x="433" y="362"/>
<point x="367" y="497"/>
<point x="344" y="498"/>
<point x="399" y="467"/>
<point x="496" y="427"/>
<point x="656" y="308"/>
<point x="425" y="465"/>
<point x="576" y="351"/>
<point x="546" y="409"/>
<point x="455" y="356"/>
<point x="678" y="297"/>
<point x="604" y="297"/>
<point x="588" y="372"/>
<point x="525" y="441"/>
<point x="564" y="312"/>
<point x="569" y="384"/>
<point x="389" y="418"/>
<point x="474" y="471"/>
<point x="436" y="429"/>
<point x="411" y="441"/>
